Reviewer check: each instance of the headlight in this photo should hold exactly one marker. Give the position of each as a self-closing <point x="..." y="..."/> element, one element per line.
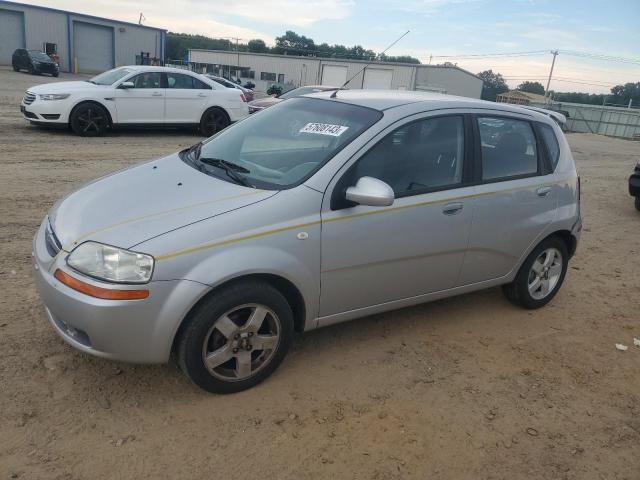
<point x="54" y="96"/>
<point x="111" y="263"/>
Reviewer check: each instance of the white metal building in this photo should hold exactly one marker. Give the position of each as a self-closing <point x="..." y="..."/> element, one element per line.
<point x="83" y="42"/>
<point x="266" y="69"/>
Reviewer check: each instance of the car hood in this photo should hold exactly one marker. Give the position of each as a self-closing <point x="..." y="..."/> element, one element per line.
<point x="265" y="102"/>
<point x="63" y="87"/>
<point x="131" y="206"/>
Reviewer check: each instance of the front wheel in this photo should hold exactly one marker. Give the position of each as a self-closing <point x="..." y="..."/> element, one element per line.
<point x="540" y="276"/>
<point x="89" y="120"/>
<point x="16" y="68"/>
<point x="213" y="121"/>
<point x="236" y="337"/>
<point x="56" y="74"/>
<point x="31" y="70"/>
<point x="638" y="203"/>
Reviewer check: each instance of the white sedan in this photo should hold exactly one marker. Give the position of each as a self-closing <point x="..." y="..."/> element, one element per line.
<point x="135" y="96"/>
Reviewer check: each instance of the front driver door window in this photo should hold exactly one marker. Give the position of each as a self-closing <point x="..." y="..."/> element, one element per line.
<point x="144" y="103"/>
<point x="372" y="255"/>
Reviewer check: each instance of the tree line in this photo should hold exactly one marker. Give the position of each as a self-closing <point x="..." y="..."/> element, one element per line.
<point x="495" y="84"/>
<point x="178" y="44"/>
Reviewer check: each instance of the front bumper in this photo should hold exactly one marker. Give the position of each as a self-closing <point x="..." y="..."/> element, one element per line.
<point x="139" y="331"/>
<point x="45" y="111"/>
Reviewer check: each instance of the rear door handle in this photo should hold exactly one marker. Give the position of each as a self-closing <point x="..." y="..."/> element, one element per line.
<point x="156" y="94"/>
<point x="452" y="208"/>
<point x="202" y="94"/>
<point x="543" y="191"/>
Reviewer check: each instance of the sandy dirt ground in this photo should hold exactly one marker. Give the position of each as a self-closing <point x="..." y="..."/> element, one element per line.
<point x="466" y="388"/>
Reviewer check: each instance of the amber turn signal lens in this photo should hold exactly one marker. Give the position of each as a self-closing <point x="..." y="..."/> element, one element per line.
<point x="98" y="292"/>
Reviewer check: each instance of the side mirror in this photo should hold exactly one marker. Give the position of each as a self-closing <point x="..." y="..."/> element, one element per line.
<point x="372" y="192"/>
<point x="127" y="85"/>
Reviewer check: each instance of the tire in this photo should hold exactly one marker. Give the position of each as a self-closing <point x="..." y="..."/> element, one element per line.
<point x="529" y="290"/>
<point x="15" y="68"/>
<point x="213" y="120"/>
<point x="220" y="329"/>
<point x="55" y="74"/>
<point x="637" y="203"/>
<point x="89" y="120"/>
<point x="31" y="70"/>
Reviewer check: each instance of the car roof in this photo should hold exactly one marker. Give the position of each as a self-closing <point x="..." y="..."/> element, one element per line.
<point x="154" y="68"/>
<point x="388" y="99"/>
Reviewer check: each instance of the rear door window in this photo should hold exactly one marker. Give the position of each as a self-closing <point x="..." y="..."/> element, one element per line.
<point x="178" y="80"/>
<point x="508" y="148"/>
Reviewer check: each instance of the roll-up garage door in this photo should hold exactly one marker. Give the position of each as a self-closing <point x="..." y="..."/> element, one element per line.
<point x="11" y="34"/>
<point x="334" y="75"/>
<point x="93" y="47"/>
<point x="377" y="78"/>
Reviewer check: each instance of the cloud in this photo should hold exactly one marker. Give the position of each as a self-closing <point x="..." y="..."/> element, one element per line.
<point x="294" y="12"/>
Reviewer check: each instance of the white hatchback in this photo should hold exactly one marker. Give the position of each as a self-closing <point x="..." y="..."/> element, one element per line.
<point x="135" y="96"/>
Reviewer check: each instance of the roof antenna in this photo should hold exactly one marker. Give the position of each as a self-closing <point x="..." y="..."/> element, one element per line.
<point x="335" y="92"/>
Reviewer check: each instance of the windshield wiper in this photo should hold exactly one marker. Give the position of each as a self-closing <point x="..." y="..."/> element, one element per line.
<point x="230" y="168"/>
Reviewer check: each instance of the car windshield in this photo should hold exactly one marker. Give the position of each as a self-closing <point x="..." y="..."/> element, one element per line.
<point x="285" y="144"/>
<point x="296" y="92"/>
<point x="111" y="76"/>
<point x="37" y="55"/>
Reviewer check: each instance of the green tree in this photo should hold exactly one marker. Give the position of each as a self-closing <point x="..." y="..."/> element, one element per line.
<point x="493" y="84"/>
<point x="622" y="94"/>
<point x="257" y="46"/>
<point x="531" y="87"/>
<point x="399" y="59"/>
<point x="294" y="44"/>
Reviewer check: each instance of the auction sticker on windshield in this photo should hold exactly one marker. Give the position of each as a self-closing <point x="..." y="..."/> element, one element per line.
<point x="324" y="129"/>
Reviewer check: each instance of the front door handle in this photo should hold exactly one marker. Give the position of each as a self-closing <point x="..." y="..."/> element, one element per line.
<point x="202" y="94"/>
<point x="452" y="208"/>
<point x="156" y="94"/>
<point x="543" y="191"/>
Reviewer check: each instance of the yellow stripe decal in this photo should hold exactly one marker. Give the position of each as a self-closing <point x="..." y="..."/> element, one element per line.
<point x="157" y="214"/>
<point x="230" y="241"/>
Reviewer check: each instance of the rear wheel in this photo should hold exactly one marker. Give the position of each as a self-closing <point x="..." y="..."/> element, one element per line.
<point x="236" y="337"/>
<point x="89" y="120"/>
<point x="55" y="74"/>
<point x="213" y="120"/>
<point x="540" y="276"/>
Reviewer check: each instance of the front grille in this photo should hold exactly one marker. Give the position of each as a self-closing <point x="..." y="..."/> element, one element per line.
<point x="29" y="98"/>
<point x="51" y="241"/>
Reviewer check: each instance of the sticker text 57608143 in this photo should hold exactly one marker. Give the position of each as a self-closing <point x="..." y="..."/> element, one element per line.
<point x="324" y="129"/>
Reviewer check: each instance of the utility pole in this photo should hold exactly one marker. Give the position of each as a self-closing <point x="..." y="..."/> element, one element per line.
<point x="555" y="54"/>
<point x="142" y="17"/>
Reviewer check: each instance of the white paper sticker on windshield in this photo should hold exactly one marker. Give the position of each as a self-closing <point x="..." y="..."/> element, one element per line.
<point x="324" y="129"/>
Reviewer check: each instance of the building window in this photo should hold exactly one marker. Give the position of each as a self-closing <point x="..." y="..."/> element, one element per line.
<point x="252" y="74"/>
<point x="270" y="77"/>
<point x="281" y="78"/>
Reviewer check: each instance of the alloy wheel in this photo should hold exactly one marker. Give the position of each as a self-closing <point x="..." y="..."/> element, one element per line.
<point x="545" y="273"/>
<point x="214" y="121"/>
<point x="91" y="121"/>
<point x="241" y="342"/>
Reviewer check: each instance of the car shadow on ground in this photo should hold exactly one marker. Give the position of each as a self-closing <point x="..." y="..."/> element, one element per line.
<point x="309" y="349"/>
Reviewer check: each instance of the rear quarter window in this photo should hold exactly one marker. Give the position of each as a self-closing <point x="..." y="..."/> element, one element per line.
<point x="551" y="142"/>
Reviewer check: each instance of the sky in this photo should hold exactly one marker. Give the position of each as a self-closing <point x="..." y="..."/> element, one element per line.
<point x="438" y="28"/>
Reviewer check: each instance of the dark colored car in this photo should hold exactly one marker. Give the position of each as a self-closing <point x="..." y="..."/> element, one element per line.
<point x="634" y="185"/>
<point x="34" y="61"/>
<point x="247" y="92"/>
<point x="263" y="103"/>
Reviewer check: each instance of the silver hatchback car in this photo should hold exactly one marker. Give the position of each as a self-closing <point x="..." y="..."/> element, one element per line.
<point x="321" y="209"/>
